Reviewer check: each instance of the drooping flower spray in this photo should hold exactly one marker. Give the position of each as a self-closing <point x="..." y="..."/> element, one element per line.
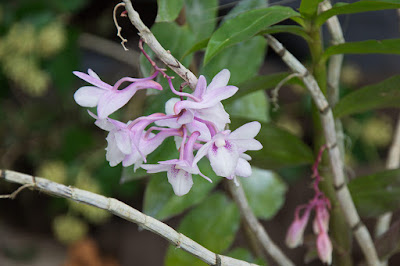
<point x="320" y="204"/>
<point x="197" y="121"/>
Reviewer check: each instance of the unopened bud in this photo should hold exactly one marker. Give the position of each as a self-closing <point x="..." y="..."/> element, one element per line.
<point x="321" y="220"/>
<point x="294" y="237"/>
<point x="324" y="247"/>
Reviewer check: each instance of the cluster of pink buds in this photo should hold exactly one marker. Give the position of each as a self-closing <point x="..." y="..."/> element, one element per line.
<point x="320" y="204"/>
<point x="197" y="121"/>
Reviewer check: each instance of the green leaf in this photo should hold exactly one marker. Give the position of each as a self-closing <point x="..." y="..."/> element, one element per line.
<point x="389" y="46"/>
<point x="261" y="83"/>
<point x="309" y="7"/>
<point x="280" y="148"/>
<point x="160" y="201"/>
<point x="168" y="10"/>
<point x="254" y="106"/>
<point x="243" y="6"/>
<point x="245" y="26"/>
<point x="380" y="95"/>
<point x="201" y="16"/>
<point x="293" y="29"/>
<point x="376" y="194"/>
<point x="357" y="7"/>
<point x="265" y="192"/>
<point x="212" y="224"/>
<point x="250" y="53"/>
<point x="196" y="47"/>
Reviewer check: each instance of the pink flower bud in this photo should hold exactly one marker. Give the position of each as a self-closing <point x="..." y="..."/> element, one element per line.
<point x="294" y="237"/>
<point x="324" y="247"/>
<point x="321" y="220"/>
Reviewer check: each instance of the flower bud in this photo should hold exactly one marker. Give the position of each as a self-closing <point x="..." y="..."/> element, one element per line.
<point x="324" y="247"/>
<point x="321" y="220"/>
<point x="294" y="237"/>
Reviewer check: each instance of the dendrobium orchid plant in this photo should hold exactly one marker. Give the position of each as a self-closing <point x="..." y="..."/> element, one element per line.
<point x="197" y="121"/>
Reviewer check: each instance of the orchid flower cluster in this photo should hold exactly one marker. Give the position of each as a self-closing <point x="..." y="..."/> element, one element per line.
<point x="321" y="204"/>
<point x="197" y="121"/>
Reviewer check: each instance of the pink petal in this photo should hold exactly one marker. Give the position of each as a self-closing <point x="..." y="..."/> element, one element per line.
<point x="209" y="99"/>
<point x="155" y="168"/>
<point x="112" y="101"/>
<point x="200" y="87"/>
<point x="247" y="131"/>
<point x="88" y="96"/>
<point x="186" y="117"/>
<point x="220" y="80"/>
<point x="200" y="127"/>
<point x="93" y="80"/>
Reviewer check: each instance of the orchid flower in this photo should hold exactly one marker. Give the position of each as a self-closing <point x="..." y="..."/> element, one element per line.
<point x="107" y="98"/>
<point x="225" y="149"/>
<point x="206" y="101"/>
<point x="179" y="171"/>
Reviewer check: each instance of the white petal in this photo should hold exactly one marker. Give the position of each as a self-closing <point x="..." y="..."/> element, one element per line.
<point x="186" y="117"/>
<point x="155" y="168"/>
<point x="88" y="96"/>
<point x="215" y="114"/>
<point x="223" y="160"/>
<point x="247" y="131"/>
<point x="202" y="152"/>
<point x="247" y="144"/>
<point x="220" y="80"/>
<point x="123" y="141"/>
<point x="180" y="180"/>
<point x="93" y="74"/>
<point x="243" y="168"/>
<point x="169" y="106"/>
<point x="113" y="154"/>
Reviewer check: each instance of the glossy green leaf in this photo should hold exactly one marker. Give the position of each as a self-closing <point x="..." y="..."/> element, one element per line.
<point x="309" y="7"/>
<point x="242" y="59"/>
<point x="280" y="148"/>
<point x="212" y="224"/>
<point x="243" y="6"/>
<point x="293" y="29"/>
<point x="380" y="95"/>
<point x="254" y="106"/>
<point x="196" y="47"/>
<point x="261" y="83"/>
<point x="245" y="26"/>
<point x="357" y="7"/>
<point x="168" y="10"/>
<point x="389" y="46"/>
<point x="160" y="201"/>
<point x="376" y="194"/>
<point x="201" y="16"/>
<point x="265" y="192"/>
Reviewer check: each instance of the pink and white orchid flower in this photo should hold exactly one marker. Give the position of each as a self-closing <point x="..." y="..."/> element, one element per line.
<point x="107" y="98"/>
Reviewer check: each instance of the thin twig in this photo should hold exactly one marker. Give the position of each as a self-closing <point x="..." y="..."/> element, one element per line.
<point x="256" y="228"/>
<point x="162" y="54"/>
<point x="393" y="162"/>
<point x="275" y="91"/>
<point x="122" y="210"/>
<point x="191" y="80"/>
<point x="342" y="192"/>
<point x="110" y="49"/>
<point x="123" y="40"/>
<point x="16" y="192"/>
